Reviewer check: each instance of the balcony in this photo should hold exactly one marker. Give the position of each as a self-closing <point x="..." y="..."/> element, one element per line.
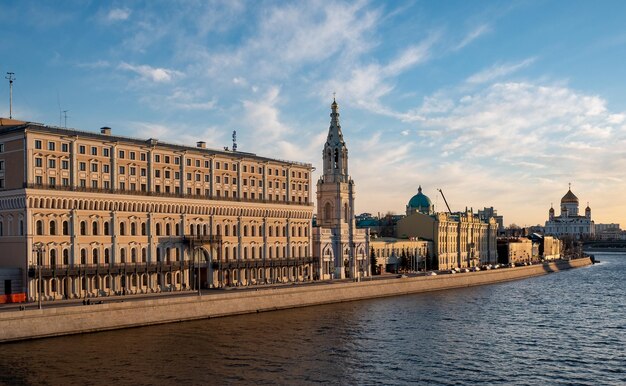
<point x="48" y="271"/>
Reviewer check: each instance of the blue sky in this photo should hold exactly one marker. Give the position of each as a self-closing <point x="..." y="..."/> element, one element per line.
<point x="498" y="103"/>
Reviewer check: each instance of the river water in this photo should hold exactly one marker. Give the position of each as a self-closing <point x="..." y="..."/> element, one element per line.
<point x="565" y="328"/>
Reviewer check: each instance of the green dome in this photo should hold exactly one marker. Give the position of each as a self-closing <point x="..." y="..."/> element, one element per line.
<point x="420" y="201"/>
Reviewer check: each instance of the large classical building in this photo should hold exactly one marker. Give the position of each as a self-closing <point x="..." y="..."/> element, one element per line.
<point x="92" y="214"/>
<point x="341" y="248"/>
<point x="459" y="239"/>
<point x="569" y="222"/>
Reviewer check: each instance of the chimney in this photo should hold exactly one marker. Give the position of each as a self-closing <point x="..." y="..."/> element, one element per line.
<point x="201" y="144"/>
<point x="105" y="130"/>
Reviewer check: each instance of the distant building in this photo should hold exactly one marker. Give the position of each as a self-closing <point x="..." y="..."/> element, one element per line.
<point x="420" y="203"/>
<point x="459" y="239"/>
<point x="609" y="232"/>
<point x="515" y="250"/>
<point x="486" y="213"/>
<point x="569" y="222"/>
<point x="389" y="250"/>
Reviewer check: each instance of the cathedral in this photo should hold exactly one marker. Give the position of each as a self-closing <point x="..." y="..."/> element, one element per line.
<point x="569" y="222"/>
<point x="339" y="247"/>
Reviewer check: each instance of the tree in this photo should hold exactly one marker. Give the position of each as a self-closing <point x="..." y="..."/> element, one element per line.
<point x="373" y="262"/>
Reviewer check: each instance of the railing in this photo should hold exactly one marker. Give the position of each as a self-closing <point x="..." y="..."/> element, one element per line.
<point x="106" y="269"/>
<point x="262" y="263"/>
<point x="202" y="239"/>
<point x="160" y="194"/>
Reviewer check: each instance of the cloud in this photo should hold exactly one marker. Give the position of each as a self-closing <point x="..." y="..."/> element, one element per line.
<point x="473" y="35"/>
<point x="153" y="74"/>
<point x="264" y="117"/>
<point x="118" y="14"/>
<point x="499" y="71"/>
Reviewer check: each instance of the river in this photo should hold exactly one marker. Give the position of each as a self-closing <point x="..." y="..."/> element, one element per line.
<point x="564" y="328"/>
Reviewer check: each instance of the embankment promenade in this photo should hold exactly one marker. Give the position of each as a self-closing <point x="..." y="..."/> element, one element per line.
<point x="55" y="321"/>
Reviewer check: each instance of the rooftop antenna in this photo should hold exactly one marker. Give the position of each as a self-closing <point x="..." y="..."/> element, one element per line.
<point x="234" y="140"/>
<point x="65" y="117"/>
<point x="11" y="79"/>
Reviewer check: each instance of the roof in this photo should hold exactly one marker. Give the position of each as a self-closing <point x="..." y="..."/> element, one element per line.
<point x="420" y="200"/>
<point x="569" y="198"/>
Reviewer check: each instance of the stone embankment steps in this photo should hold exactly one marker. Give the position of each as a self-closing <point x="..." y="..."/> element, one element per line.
<point x="55" y="321"/>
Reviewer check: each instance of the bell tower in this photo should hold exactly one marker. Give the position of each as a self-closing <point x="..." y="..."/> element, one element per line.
<point x="335" y="202"/>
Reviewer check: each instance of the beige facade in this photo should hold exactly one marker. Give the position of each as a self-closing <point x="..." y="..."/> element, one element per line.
<point x="515" y="250"/>
<point x="460" y="240"/>
<point x="552" y="248"/>
<point x="96" y="214"/>
<point x="388" y="251"/>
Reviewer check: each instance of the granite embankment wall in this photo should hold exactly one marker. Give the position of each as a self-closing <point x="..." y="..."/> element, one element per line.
<point x="55" y="321"/>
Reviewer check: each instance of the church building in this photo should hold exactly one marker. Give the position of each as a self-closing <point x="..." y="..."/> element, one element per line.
<point x="341" y="248"/>
<point x="569" y="222"/>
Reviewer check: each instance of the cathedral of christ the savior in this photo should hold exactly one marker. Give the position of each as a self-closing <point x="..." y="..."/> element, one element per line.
<point x="341" y="248"/>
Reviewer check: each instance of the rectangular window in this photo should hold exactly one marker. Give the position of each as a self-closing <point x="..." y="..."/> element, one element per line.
<point x="167" y="188"/>
<point x="1" y="164"/>
<point x="245" y="182"/>
<point x="177" y="175"/>
<point x="188" y="176"/>
<point x="132" y="155"/>
<point x="197" y="163"/>
<point x="122" y="186"/>
<point x="82" y="166"/>
<point x="38" y="162"/>
<point x="94" y="168"/>
<point x="167" y="174"/>
<point x="143" y="187"/>
<point x="157" y="158"/>
<point x="94" y="184"/>
<point x="177" y="160"/>
<point x="188" y="190"/>
<point x="188" y="162"/>
<point x="234" y="181"/>
<point x="143" y="172"/>
<point x="122" y="170"/>
<point x="1" y="147"/>
<point x="206" y="164"/>
<point x="38" y="180"/>
<point x="37" y="144"/>
<point x="167" y="159"/>
<point x="133" y="171"/>
<point x="121" y="154"/>
<point x="105" y="152"/>
<point x="157" y="173"/>
<point x="52" y="181"/>
<point x="83" y="183"/>
<point x="217" y="165"/>
<point x="245" y="168"/>
<point x="198" y="177"/>
<point x="94" y="150"/>
<point x="252" y="169"/>
<point x="217" y="179"/>
<point x="133" y="186"/>
<point x="225" y="165"/>
<point x="65" y="181"/>
<point x="81" y="149"/>
<point x="64" y="147"/>
<point x="51" y="146"/>
<point x="105" y="168"/>
<point x="142" y="156"/>
<point x="177" y="189"/>
<point x="225" y="179"/>
<point x="206" y="178"/>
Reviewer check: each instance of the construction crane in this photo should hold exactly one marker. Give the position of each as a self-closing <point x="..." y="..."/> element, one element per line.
<point x="444" y="200"/>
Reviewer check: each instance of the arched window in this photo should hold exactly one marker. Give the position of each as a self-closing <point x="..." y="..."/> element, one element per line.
<point x="177" y="229"/>
<point x="106" y="228"/>
<point x="66" y="228"/>
<point x="293" y="231"/>
<point x="143" y="255"/>
<point x="39" y="227"/>
<point x="271" y="231"/>
<point x="260" y="230"/>
<point x="83" y="228"/>
<point x="158" y="229"/>
<point x="53" y="228"/>
<point x="158" y="254"/>
<point x="299" y="231"/>
<point x="94" y="228"/>
<point x="253" y="230"/>
<point x="206" y="229"/>
<point x="123" y="255"/>
<point x="168" y="252"/>
<point x="226" y="230"/>
<point x="271" y="252"/>
<point x="277" y="231"/>
<point x="218" y="229"/>
<point x="226" y="253"/>
<point x="143" y="228"/>
<point x="277" y="252"/>
<point x="245" y="252"/>
<point x="133" y="229"/>
<point x="253" y="251"/>
<point x="177" y="256"/>
<point x="53" y="257"/>
<point x="168" y="229"/>
<point x="191" y="229"/>
<point x="106" y="256"/>
<point x="133" y="255"/>
<point x="346" y="214"/>
<point x="245" y="231"/>
<point x="83" y="256"/>
<point x="336" y="158"/>
<point x="66" y="257"/>
<point x="122" y="229"/>
<point x="327" y="211"/>
<point x="234" y="230"/>
<point x="198" y="229"/>
<point x="94" y="256"/>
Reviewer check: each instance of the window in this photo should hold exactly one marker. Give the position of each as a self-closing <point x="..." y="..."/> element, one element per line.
<point x="122" y="186"/>
<point x="217" y="165"/>
<point x="157" y="173"/>
<point x="121" y="154"/>
<point x="94" y="228"/>
<point x="188" y="162"/>
<point x="66" y="229"/>
<point x="143" y="172"/>
<point x="167" y="174"/>
<point x="167" y="159"/>
<point x="65" y="165"/>
<point x="105" y="168"/>
<point x="94" y="150"/>
<point x="177" y="160"/>
<point x="106" y="228"/>
<point x="206" y="164"/>
<point x="37" y="144"/>
<point x="1" y="183"/>
<point x="83" y="183"/>
<point x="197" y="163"/>
<point x="142" y="156"/>
<point x="52" y="181"/>
<point x="94" y="168"/>
<point x="38" y="180"/>
<point x="105" y="152"/>
<point x="51" y="146"/>
<point x="83" y="228"/>
<point x="38" y="162"/>
<point x="53" y="228"/>
<point x="1" y="147"/>
<point x="133" y="229"/>
<point x="132" y="155"/>
<point x="81" y="149"/>
<point x="157" y="158"/>
<point x="188" y="176"/>
<point x="122" y="170"/>
<point x="82" y="166"/>
<point x="198" y="177"/>
<point x="133" y="170"/>
<point x="122" y="229"/>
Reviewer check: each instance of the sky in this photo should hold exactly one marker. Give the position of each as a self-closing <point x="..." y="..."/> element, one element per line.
<point x="497" y="103"/>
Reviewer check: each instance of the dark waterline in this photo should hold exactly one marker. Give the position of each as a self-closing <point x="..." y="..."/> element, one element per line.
<point x="566" y="328"/>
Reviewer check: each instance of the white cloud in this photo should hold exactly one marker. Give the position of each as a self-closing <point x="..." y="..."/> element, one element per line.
<point x="499" y="71"/>
<point x="153" y="74"/>
<point x="473" y="35"/>
<point x="263" y="116"/>
<point x="118" y="14"/>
